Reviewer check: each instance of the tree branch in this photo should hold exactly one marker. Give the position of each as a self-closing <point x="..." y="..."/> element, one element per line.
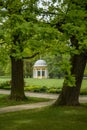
<point x="30" y="57"/>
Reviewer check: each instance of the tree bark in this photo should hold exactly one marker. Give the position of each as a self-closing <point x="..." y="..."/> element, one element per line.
<point x="17" y="79"/>
<point x="69" y="96"/>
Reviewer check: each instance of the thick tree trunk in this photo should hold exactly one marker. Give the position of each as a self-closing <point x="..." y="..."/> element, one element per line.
<point x="17" y="79"/>
<point x="70" y="95"/>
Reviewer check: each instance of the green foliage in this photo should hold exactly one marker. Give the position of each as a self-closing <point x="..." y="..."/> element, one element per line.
<point x="5" y="85"/>
<point x="36" y="88"/>
<point x="69" y="80"/>
<point x="54" y="90"/>
<point x="28" y="68"/>
<point x="83" y="91"/>
<point x="54" y="65"/>
<point x="43" y="89"/>
<point x="22" y="30"/>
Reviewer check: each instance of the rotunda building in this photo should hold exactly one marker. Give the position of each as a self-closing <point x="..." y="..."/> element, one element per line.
<point x="40" y="69"/>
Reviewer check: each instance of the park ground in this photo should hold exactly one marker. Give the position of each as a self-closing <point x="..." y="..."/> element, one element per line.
<point x="53" y="97"/>
<point x="43" y="116"/>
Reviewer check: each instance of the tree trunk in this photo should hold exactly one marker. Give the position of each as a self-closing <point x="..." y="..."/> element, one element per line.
<point x="17" y="79"/>
<point x="70" y="95"/>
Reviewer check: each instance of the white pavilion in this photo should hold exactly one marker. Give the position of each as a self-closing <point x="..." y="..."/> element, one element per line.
<point x="40" y="69"/>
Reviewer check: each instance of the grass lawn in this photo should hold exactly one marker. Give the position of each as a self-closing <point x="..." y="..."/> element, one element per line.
<point x="84" y="84"/>
<point x="4" y="101"/>
<point x="49" y="118"/>
<point x="44" y="82"/>
<point x="4" y="78"/>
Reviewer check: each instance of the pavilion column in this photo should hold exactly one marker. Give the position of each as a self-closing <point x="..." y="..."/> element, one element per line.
<point x="46" y="73"/>
<point x="41" y="73"/>
<point x="36" y="73"/>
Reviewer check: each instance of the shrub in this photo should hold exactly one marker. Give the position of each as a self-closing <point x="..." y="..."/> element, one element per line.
<point x="36" y="88"/>
<point x="5" y="85"/>
<point x="54" y="90"/>
<point x="42" y="89"/>
<point x="83" y="92"/>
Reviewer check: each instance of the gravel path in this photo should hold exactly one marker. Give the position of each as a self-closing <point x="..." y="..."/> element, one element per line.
<point x="31" y="94"/>
<point x="83" y="99"/>
<point x="25" y="107"/>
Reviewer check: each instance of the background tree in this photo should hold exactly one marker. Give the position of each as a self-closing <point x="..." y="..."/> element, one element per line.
<point x="28" y="68"/>
<point x="54" y="65"/>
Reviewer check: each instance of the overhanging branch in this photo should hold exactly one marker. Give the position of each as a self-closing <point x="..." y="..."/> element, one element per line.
<point x="30" y="57"/>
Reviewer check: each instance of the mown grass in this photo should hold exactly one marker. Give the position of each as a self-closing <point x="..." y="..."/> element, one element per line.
<point x="49" y="118"/>
<point x="4" y="78"/>
<point x="44" y="82"/>
<point x="5" y="101"/>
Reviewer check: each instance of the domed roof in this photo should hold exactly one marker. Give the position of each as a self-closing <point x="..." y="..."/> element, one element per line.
<point x="40" y="63"/>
